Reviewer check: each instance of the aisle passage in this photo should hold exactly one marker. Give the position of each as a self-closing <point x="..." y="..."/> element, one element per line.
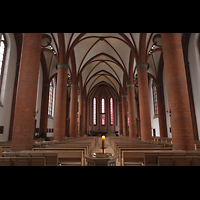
<point x="109" y="149"/>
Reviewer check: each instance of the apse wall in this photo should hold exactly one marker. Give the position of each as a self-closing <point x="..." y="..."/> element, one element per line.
<point x="103" y="93"/>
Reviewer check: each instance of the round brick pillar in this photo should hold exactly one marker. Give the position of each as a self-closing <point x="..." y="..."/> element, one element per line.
<point x="61" y="99"/>
<point x="44" y="109"/>
<point x="120" y="119"/>
<point x="24" y="119"/>
<point x="161" y="111"/>
<point x="144" y="106"/>
<point x="131" y="110"/>
<point x="73" y="110"/>
<point x="181" y="123"/>
<point x="80" y="114"/>
<point x="84" y="127"/>
<point x="124" y="114"/>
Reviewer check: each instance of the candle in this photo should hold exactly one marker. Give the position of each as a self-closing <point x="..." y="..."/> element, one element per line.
<point x="103" y="141"/>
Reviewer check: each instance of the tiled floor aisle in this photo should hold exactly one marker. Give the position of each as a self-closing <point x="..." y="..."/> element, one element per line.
<point x="97" y="148"/>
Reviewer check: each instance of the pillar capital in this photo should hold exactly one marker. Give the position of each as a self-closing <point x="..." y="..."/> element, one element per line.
<point x="159" y="85"/>
<point x="74" y="85"/>
<point x="124" y="96"/>
<point x="62" y="65"/>
<point x="46" y="85"/>
<point x="142" y="65"/>
<point x="130" y="85"/>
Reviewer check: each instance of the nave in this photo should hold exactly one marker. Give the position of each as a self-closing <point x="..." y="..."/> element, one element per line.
<point x="67" y="87"/>
<point x="73" y="152"/>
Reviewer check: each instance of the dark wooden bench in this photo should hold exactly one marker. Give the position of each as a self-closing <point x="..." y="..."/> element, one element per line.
<point x="179" y="161"/>
<point x="22" y="161"/>
<point x="152" y="158"/>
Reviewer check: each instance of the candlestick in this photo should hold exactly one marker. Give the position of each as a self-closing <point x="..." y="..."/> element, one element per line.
<point x="103" y="142"/>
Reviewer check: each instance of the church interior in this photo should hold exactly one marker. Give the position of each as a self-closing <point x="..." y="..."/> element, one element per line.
<point x="99" y="99"/>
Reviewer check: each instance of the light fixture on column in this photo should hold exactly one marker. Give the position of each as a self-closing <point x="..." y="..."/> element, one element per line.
<point x="51" y="47"/>
<point x="36" y="112"/>
<point x="168" y="111"/>
<point x="157" y="41"/>
<point x="152" y="48"/>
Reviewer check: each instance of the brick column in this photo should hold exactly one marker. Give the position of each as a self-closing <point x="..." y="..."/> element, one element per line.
<point x="144" y="106"/>
<point x="181" y="123"/>
<point x="73" y="110"/>
<point x="124" y="114"/>
<point x="44" y="108"/>
<point x="60" y="104"/>
<point x="24" y="120"/>
<point x="131" y="110"/>
<point x="80" y="114"/>
<point x="84" y="126"/>
<point x="161" y="111"/>
<point x="120" y="119"/>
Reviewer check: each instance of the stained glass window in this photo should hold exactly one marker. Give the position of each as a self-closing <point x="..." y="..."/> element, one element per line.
<point x="94" y="111"/>
<point x="111" y="111"/>
<point x="50" y="107"/>
<point x="2" y="55"/>
<point x="103" y="116"/>
<point x="155" y="100"/>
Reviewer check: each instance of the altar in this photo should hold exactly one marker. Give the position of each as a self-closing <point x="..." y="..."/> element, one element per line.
<point x="101" y="159"/>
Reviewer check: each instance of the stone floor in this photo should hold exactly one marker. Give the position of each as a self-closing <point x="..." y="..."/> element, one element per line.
<point x="97" y="148"/>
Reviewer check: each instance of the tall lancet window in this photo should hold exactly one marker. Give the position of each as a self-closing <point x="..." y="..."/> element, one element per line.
<point x="111" y="111"/>
<point x="94" y="111"/>
<point x="2" y="56"/>
<point x="103" y="116"/>
<point x="50" y="107"/>
<point x="155" y="100"/>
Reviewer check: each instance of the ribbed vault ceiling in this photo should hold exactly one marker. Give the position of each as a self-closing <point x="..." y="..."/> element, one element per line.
<point x="106" y="58"/>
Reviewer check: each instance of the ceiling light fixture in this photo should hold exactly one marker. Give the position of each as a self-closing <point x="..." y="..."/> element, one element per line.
<point x="152" y="48"/>
<point x="51" y="47"/>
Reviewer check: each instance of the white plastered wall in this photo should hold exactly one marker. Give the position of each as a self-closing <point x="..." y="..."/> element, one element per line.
<point x="7" y="89"/>
<point x="194" y="63"/>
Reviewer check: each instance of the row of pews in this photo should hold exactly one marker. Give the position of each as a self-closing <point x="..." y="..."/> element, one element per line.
<point x="156" y="152"/>
<point x="70" y="152"/>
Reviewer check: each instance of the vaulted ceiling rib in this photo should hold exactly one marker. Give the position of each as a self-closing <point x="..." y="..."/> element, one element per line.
<point x="104" y="57"/>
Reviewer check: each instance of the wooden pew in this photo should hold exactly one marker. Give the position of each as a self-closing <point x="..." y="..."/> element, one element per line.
<point x="51" y="158"/>
<point x="151" y="158"/>
<point x="133" y="144"/>
<point x="71" y="158"/>
<point x="89" y="143"/>
<point x="5" y="161"/>
<point x="178" y="161"/>
<point x="132" y="158"/>
<point x="78" y="154"/>
<point x="137" y="157"/>
<point x="80" y="146"/>
<point x="139" y="148"/>
<point x="22" y="161"/>
<point x="6" y="146"/>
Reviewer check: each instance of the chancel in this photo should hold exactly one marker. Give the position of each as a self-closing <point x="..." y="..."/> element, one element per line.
<point x="115" y="99"/>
